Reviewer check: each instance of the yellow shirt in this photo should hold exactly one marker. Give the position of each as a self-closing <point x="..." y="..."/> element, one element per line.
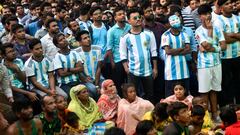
<point x="158" y="125"/>
<point x="208" y="123"/>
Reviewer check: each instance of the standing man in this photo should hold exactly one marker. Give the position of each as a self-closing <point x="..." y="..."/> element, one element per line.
<point x="138" y="48"/>
<point x="209" y="63"/>
<point x="176" y="44"/>
<point x="113" y="40"/>
<point x="229" y="24"/>
<point x="158" y="29"/>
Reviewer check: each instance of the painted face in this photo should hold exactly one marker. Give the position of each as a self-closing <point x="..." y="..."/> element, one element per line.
<point x="175" y="22"/>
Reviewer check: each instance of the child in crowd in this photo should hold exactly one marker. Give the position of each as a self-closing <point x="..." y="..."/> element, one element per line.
<point x="159" y="116"/>
<point x="61" y="104"/>
<point x="131" y="109"/>
<point x="179" y="95"/>
<point x="197" y="115"/>
<point x="180" y="114"/>
<point x="72" y="126"/>
<point x="229" y="118"/>
<point x="145" y="127"/>
<point x="208" y="123"/>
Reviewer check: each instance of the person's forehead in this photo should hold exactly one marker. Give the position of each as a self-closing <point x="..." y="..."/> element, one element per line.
<point x="48" y="100"/>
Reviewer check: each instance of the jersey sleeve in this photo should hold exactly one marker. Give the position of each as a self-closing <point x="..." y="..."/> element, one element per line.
<point x="165" y="40"/>
<point x="57" y="63"/>
<point x="29" y="69"/>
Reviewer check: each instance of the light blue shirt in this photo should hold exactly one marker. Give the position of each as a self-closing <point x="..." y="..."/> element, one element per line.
<point x="138" y="49"/>
<point x="66" y="61"/>
<point x="208" y="59"/>
<point x="39" y="69"/>
<point x="175" y="66"/>
<point x="192" y="39"/>
<point x="113" y="40"/>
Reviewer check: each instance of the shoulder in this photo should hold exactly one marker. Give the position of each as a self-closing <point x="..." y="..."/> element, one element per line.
<point x="96" y="47"/>
<point x="29" y="62"/>
<point x="126" y="34"/>
<point x="12" y="129"/>
<point x="38" y="122"/>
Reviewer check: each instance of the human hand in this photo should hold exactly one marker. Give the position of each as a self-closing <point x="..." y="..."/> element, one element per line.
<point x="155" y="73"/>
<point x="3" y="124"/>
<point x="32" y="96"/>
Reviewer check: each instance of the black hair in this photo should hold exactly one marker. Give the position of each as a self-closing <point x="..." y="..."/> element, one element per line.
<point x="204" y="9"/>
<point x="69" y="21"/>
<point x="11" y="18"/>
<point x="19" y="5"/>
<point x="49" y="21"/>
<point x="157" y="5"/>
<point x="16" y="27"/>
<point x="114" y="131"/>
<point x="160" y="110"/>
<point x="20" y="103"/>
<point x="174" y="108"/>
<point x="143" y="127"/>
<point x="5" y="46"/>
<point x="79" y="34"/>
<point x="125" y="87"/>
<point x="228" y="115"/>
<point x="71" y="118"/>
<point x="175" y="9"/>
<point x="221" y="2"/>
<point x="35" y="4"/>
<point x="145" y="5"/>
<point x="176" y="2"/>
<point x="84" y="9"/>
<point x="33" y="42"/>
<point x="133" y="10"/>
<point x="117" y="9"/>
<point x="93" y="9"/>
<point x="56" y="37"/>
<point x="45" y="4"/>
<point x="198" y="110"/>
<point x="195" y="99"/>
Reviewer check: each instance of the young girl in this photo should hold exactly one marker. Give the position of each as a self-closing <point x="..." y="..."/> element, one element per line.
<point x="179" y="95"/>
<point x="131" y="109"/>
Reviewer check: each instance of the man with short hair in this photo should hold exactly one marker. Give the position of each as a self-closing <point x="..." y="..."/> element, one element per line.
<point x="74" y="27"/>
<point x="138" y="48"/>
<point x="51" y="124"/>
<point x="49" y="49"/>
<point x="26" y="123"/>
<point x="229" y="24"/>
<point x="40" y="72"/>
<point x="7" y="22"/>
<point x="113" y="39"/>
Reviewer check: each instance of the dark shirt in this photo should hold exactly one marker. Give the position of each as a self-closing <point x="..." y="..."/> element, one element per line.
<point x="176" y="129"/>
<point x="22" y="49"/>
<point x="50" y="127"/>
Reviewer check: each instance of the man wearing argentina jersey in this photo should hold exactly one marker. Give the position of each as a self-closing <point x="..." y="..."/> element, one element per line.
<point x="229" y="24"/>
<point x="137" y="48"/>
<point x="16" y="72"/>
<point x="176" y="45"/>
<point x="211" y="42"/>
<point x="67" y="64"/>
<point x="113" y="39"/>
<point x="83" y="19"/>
<point x="40" y="72"/>
<point x="91" y="56"/>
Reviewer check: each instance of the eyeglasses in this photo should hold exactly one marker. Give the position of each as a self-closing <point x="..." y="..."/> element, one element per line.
<point x="137" y="17"/>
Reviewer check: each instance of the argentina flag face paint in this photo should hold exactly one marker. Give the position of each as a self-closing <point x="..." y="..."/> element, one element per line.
<point x="175" y="21"/>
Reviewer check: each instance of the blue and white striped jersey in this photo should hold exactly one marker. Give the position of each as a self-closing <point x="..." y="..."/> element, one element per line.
<point x="175" y="66"/>
<point x="12" y="76"/>
<point x="138" y="50"/>
<point x="90" y="59"/>
<point x="99" y="37"/>
<point x="229" y="25"/>
<point x="208" y="59"/>
<point x="39" y="69"/>
<point x="66" y="61"/>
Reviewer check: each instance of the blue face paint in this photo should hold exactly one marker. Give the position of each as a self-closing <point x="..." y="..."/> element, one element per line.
<point x="175" y="22"/>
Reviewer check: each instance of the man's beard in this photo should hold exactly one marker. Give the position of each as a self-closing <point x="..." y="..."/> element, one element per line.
<point x="150" y="18"/>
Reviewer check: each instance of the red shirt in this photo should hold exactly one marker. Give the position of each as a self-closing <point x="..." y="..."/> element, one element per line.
<point x="234" y="129"/>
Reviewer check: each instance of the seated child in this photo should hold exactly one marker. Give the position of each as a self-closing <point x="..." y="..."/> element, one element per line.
<point x="179" y="95"/>
<point x="71" y="126"/>
<point x="229" y="118"/>
<point x="145" y="127"/>
<point x="159" y="116"/>
<point x="180" y="114"/>
<point x="208" y="123"/>
<point x="197" y="115"/>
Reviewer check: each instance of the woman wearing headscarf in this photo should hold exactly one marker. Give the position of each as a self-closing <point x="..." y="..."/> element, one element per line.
<point x="108" y="102"/>
<point x="84" y="106"/>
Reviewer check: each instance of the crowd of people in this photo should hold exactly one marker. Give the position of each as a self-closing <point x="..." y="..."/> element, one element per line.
<point x="116" y="67"/>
